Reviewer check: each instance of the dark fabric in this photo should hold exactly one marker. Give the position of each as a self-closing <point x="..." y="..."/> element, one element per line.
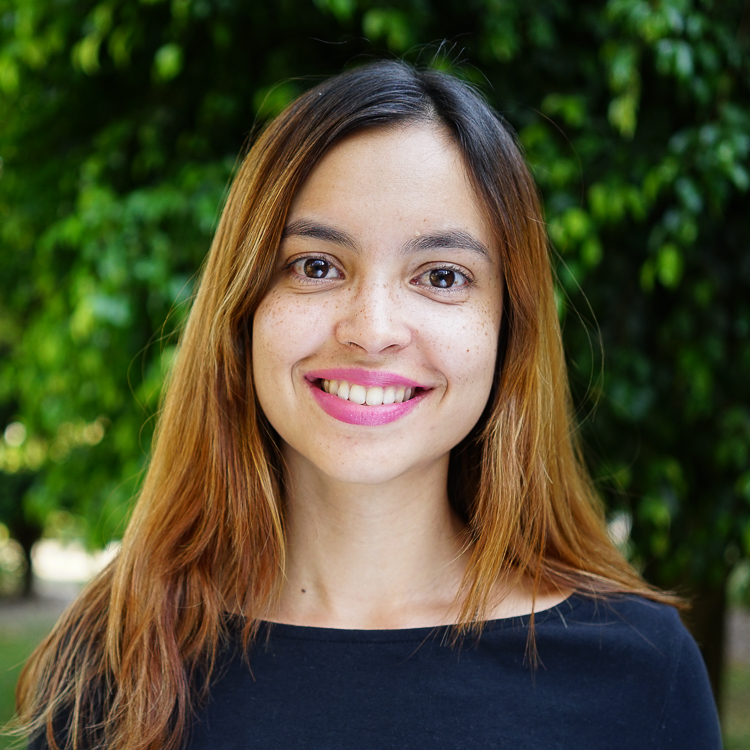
<point x="616" y="674"/>
<point x="621" y="673"/>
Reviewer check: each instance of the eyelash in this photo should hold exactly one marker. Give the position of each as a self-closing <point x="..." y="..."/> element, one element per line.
<point x="302" y="278"/>
<point x="289" y="268"/>
<point x="468" y="280"/>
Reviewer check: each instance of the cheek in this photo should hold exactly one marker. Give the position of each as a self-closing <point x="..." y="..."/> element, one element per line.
<point x="477" y="359"/>
<point x="467" y="346"/>
<point x="481" y="349"/>
<point x="285" y="330"/>
<point x="475" y="355"/>
<point x="283" y="335"/>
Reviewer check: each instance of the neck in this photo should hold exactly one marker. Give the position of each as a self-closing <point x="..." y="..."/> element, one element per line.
<point x="387" y="555"/>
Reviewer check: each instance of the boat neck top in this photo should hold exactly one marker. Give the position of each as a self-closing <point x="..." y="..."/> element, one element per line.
<point x="613" y="674"/>
<point x="314" y="632"/>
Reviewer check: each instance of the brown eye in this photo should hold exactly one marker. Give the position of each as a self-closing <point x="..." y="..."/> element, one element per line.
<point x="443" y="278"/>
<point x="316" y="268"/>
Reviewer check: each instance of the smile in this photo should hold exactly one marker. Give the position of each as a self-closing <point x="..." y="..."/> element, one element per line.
<point x="360" y="394"/>
<point x="364" y="398"/>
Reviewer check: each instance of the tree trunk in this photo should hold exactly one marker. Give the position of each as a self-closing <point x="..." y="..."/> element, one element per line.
<point x="26" y="534"/>
<point x="27" y="538"/>
<point x="706" y="620"/>
<point x="24" y="531"/>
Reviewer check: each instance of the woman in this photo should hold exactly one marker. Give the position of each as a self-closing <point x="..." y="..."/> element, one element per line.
<point x="366" y="454"/>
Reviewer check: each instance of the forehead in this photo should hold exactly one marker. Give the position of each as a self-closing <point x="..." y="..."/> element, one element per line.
<point x="394" y="182"/>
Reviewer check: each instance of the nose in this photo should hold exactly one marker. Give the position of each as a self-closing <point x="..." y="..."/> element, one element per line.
<point x="374" y="320"/>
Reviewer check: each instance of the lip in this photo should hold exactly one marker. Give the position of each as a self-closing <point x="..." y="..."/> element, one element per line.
<point x="368" y="378"/>
<point x="360" y="414"/>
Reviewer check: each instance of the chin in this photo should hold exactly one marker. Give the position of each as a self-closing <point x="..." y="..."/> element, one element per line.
<point x="364" y="470"/>
<point x="368" y="475"/>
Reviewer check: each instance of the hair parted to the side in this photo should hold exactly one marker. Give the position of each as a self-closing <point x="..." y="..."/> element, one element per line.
<point x="134" y="654"/>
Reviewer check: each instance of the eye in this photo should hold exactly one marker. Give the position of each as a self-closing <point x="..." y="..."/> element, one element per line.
<point x="446" y="278"/>
<point x="315" y="268"/>
<point x="443" y="277"/>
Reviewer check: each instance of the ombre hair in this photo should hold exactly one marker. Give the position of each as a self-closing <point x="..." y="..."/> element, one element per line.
<point x="134" y="655"/>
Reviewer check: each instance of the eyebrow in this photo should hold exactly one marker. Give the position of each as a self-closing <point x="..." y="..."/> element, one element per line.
<point x="306" y="228"/>
<point x="450" y="239"/>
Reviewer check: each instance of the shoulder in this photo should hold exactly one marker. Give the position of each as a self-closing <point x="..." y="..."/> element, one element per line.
<point x="628" y="620"/>
<point x="624" y="632"/>
<point x="639" y="657"/>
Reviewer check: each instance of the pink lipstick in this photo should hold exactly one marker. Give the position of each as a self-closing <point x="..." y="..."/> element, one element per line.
<point x="362" y="414"/>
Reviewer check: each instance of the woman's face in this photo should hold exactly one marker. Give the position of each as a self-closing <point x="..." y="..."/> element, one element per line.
<point x="374" y="349"/>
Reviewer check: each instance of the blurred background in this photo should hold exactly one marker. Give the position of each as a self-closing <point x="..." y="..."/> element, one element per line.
<point x="120" y="126"/>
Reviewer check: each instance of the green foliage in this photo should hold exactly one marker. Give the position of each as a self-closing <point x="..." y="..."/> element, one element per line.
<point x="120" y="122"/>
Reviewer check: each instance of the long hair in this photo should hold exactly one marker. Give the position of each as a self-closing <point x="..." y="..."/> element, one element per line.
<point x="134" y="655"/>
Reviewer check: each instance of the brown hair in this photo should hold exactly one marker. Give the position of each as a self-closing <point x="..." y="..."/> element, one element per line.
<point x="135" y="653"/>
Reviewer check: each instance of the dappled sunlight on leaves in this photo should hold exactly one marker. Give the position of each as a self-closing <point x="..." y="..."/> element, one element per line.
<point x="121" y="126"/>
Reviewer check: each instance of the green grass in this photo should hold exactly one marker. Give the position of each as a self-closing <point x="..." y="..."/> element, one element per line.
<point x="17" y="643"/>
<point x="737" y="708"/>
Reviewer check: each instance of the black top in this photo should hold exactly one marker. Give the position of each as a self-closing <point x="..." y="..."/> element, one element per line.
<point x="616" y="674"/>
<point x="622" y="673"/>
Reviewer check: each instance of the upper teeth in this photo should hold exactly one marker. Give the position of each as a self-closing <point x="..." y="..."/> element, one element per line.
<point x="375" y="396"/>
